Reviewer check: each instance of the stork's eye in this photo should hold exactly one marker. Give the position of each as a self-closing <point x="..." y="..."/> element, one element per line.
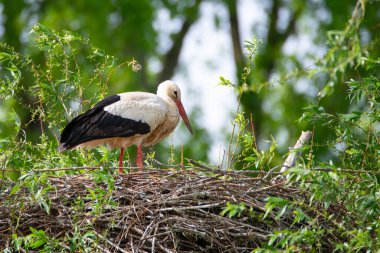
<point x="176" y="94"/>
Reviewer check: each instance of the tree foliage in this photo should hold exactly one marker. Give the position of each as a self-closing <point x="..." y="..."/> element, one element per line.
<point x="341" y="167"/>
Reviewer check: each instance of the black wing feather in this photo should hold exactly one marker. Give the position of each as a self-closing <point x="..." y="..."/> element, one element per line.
<point x="97" y="123"/>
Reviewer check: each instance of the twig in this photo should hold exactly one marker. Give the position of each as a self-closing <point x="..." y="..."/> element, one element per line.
<point x="233" y="222"/>
<point x="167" y="165"/>
<point x="272" y="171"/>
<point x="191" y="161"/>
<point x="227" y="172"/>
<point x="253" y="131"/>
<point x="190" y="207"/>
<point x="97" y="246"/>
<point x="147" y="229"/>
<point x="64" y="246"/>
<point x="154" y="238"/>
<point x="71" y="168"/>
<point x="150" y="240"/>
<point x="352" y="171"/>
<point x="110" y="243"/>
<point x="265" y="188"/>
<point x="181" y="165"/>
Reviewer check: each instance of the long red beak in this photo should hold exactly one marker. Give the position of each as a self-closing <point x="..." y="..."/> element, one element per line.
<point x="184" y="115"/>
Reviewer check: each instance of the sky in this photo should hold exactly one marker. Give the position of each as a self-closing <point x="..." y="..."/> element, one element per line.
<point x="207" y="55"/>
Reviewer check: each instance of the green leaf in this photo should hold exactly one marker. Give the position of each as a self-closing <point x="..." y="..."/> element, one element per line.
<point x="33" y="230"/>
<point x="250" y="159"/>
<point x="17" y="242"/>
<point x="13" y="117"/>
<point x="351" y="116"/>
<point x="45" y="206"/>
<point x="225" y="82"/>
<point x="15" y="189"/>
<point x="233" y="210"/>
<point x="38" y="243"/>
<point x="273" y="202"/>
<point x="4" y="55"/>
<point x="352" y="151"/>
<point x="282" y="211"/>
<point x="333" y="175"/>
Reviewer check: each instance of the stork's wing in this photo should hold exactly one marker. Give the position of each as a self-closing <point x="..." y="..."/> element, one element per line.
<point x="122" y="115"/>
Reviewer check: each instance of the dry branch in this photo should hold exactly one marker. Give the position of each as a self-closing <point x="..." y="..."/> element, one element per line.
<point x="293" y="155"/>
<point x="295" y="151"/>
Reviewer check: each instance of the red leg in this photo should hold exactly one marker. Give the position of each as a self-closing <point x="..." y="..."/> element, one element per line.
<point x="121" y="161"/>
<point x="139" y="162"/>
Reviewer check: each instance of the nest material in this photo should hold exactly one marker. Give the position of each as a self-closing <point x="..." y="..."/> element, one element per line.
<point x="153" y="211"/>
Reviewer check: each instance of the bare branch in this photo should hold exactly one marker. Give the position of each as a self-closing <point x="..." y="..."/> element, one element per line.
<point x="296" y="151"/>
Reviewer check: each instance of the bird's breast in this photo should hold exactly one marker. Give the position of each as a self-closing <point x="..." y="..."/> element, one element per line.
<point x="164" y="129"/>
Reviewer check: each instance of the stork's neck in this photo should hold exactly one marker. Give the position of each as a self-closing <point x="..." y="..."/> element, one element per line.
<point x="162" y="93"/>
<point x="173" y="110"/>
<point x="167" y="99"/>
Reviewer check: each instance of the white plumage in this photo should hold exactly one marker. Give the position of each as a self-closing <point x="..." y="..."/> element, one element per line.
<point x="131" y="118"/>
<point x="140" y="106"/>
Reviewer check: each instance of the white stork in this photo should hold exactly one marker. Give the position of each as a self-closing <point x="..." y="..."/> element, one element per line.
<point x="130" y="118"/>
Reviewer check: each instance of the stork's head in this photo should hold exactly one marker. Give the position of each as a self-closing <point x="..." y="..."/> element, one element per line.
<point x="171" y="90"/>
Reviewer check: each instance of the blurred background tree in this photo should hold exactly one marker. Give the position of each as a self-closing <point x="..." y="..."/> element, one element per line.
<point x="293" y="33"/>
<point x="123" y="29"/>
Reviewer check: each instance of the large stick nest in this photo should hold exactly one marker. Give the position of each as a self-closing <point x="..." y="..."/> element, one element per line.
<point x="152" y="211"/>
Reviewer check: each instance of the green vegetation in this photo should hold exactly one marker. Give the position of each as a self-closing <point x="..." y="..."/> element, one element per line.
<point x="342" y="169"/>
<point x="60" y="73"/>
